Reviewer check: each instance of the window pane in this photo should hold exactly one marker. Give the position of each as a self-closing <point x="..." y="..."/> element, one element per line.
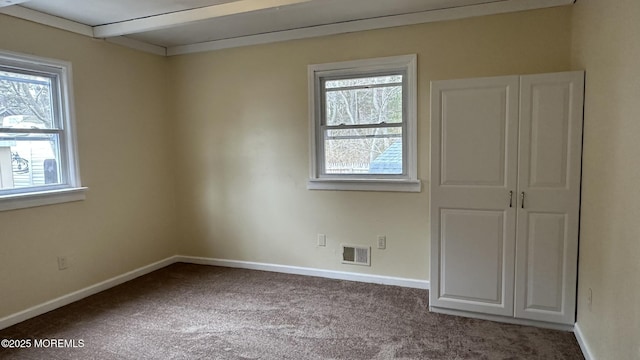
<point x="26" y="101"/>
<point x="370" y="103"/>
<point x="363" y="151"/>
<point x="374" y="80"/>
<point x="29" y="160"/>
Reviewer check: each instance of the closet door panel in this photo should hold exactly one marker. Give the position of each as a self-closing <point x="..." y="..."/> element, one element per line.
<point x="545" y="250"/>
<point x="473" y="159"/>
<point x="550" y="148"/>
<point x="472" y="244"/>
<point x="473" y="137"/>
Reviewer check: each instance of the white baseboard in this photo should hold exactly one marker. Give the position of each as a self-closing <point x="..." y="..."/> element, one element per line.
<point x="296" y="270"/>
<point x="586" y="351"/>
<point x="82" y="293"/>
<point x="109" y="283"/>
<point x="503" y="319"/>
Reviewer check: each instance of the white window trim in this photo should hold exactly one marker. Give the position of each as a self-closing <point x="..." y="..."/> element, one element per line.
<point x="409" y="182"/>
<point x="72" y="190"/>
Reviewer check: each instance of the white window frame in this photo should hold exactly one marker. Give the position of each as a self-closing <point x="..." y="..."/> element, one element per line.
<point x="70" y="189"/>
<point x="408" y="181"/>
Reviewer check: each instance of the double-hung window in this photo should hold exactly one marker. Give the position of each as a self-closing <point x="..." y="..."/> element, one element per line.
<point x="363" y="121"/>
<point x="38" y="161"/>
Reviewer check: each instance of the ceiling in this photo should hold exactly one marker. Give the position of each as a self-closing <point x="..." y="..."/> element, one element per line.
<point x="169" y="27"/>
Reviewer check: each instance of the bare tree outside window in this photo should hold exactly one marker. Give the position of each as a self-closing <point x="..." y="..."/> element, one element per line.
<point x="27" y="96"/>
<point x="363" y="118"/>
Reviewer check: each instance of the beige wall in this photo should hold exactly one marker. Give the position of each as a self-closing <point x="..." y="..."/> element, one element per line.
<point x="243" y="135"/>
<point x="606" y="43"/>
<point x="124" y="143"/>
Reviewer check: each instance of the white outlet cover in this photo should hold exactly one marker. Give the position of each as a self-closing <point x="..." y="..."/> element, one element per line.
<point x="62" y="263"/>
<point x="322" y="240"/>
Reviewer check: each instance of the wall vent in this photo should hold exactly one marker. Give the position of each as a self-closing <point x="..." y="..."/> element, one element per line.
<point x="357" y="255"/>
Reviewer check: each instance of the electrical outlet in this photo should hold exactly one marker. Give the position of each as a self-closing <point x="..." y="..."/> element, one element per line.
<point x="62" y="262"/>
<point x="322" y="240"/>
<point x="589" y="298"/>
<point x="382" y="242"/>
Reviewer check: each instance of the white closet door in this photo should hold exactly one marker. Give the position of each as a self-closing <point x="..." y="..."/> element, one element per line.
<point x="473" y="168"/>
<point x="550" y="148"/>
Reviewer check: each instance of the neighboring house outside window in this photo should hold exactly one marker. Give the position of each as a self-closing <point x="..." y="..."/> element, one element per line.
<point x="38" y="159"/>
<point x="363" y="125"/>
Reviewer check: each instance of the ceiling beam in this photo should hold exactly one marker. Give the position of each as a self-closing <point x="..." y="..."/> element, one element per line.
<point x="4" y="3"/>
<point x="46" y="19"/>
<point x="462" y="12"/>
<point x="138" y="45"/>
<point x="187" y="16"/>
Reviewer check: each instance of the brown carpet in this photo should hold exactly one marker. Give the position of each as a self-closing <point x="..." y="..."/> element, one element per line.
<point x="203" y="312"/>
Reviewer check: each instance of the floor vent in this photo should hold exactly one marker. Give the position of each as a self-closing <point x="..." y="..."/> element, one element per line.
<point x="357" y="255"/>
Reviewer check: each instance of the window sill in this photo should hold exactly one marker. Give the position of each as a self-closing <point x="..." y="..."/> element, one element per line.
<point x="365" y="185"/>
<point x="41" y="198"/>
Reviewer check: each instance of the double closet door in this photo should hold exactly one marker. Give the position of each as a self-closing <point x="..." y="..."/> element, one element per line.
<point x="505" y="195"/>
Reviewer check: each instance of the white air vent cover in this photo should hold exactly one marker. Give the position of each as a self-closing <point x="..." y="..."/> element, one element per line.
<point x="357" y="255"/>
